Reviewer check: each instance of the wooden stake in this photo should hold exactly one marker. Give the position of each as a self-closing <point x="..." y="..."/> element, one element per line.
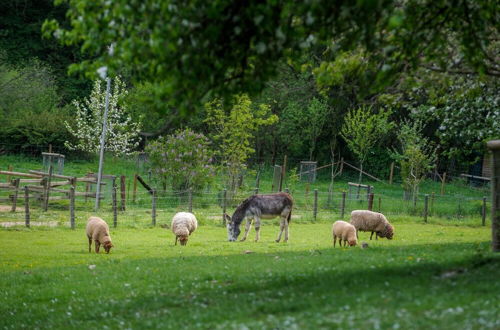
<point x="426" y="207"/>
<point x="153" y="210"/>
<point x="72" y="207"/>
<point x="122" y="192"/>
<point x="392" y="172"/>
<point x="370" y="201"/>
<point x="115" y="211"/>
<point x="315" y="208"/>
<point x="443" y="180"/>
<point x="283" y="172"/>
<point x="190" y="199"/>
<point x="224" y="197"/>
<point x="134" y="192"/>
<point x="483" y="212"/>
<point x="15" y="183"/>
<point x="47" y="189"/>
<point x="26" y="207"/>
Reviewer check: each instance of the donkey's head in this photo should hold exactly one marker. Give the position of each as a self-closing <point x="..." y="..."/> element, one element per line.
<point x="233" y="229"/>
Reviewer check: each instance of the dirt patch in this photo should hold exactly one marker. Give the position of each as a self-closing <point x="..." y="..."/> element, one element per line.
<point x="8" y="208"/>
<point x="32" y="224"/>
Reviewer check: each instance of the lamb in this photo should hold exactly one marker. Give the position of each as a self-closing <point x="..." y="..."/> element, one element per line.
<point x="98" y="231"/>
<point x="183" y="225"/>
<point x="344" y="231"/>
<point x="375" y="222"/>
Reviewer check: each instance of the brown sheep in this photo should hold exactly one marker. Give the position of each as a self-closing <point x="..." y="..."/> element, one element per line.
<point x="98" y="231"/>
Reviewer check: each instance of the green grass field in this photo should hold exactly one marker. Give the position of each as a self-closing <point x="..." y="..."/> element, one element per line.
<point x="429" y="276"/>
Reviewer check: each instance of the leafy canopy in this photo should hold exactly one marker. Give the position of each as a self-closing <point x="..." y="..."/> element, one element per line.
<point x="363" y="128"/>
<point x="197" y="49"/>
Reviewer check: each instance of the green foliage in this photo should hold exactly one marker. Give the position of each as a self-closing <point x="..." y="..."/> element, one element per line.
<point x="224" y="48"/>
<point x="21" y="42"/>
<point x="233" y="132"/>
<point x="417" y="156"/>
<point x="29" y="108"/>
<point x="183" y="160"/>
<point x="363" y="129"/>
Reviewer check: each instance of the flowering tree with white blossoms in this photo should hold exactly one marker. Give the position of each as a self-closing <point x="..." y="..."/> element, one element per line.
<point x="122" y="135"/>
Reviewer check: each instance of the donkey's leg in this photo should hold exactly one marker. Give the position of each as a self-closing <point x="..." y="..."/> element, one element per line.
<point x="257" y="228"/>
<point x="282" y="227"/>
<point x="247" y="229"/>
<point x="286" y="229"/>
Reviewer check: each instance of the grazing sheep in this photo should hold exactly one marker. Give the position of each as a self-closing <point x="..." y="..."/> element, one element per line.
<point x="98" y="231"/>
<point x="375" y="222"/>
<point x="344" y="231"/>
<point x="183" y="225"/>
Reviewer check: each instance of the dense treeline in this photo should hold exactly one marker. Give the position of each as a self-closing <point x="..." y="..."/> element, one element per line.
<point x="310" y="95"/>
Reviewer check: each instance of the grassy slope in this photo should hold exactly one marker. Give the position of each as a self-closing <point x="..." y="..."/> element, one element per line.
<point x="429" y="276"/>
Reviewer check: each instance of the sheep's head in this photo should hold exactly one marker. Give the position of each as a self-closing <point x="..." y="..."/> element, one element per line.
<point x="389" y="231"/>
<point x="107" y="246"/>
<point x="182" y="235"/>
<point x="233" y="230"/>
<point x="352" y="241"/>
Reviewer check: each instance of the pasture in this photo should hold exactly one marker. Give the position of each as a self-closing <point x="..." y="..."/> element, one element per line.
<point x="429" y="276"/>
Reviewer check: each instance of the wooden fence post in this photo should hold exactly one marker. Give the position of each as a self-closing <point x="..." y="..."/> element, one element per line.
<point x="391" y="173"/>
<point x="72" y="207"/>
<point x="370" y="201"/>
<point x="379" y="204"/>
<point x="256" y="191"/>
<point x="47" y="189"/>
<point x="315" y="207"/>
<point x="283" y="172"/>
<point x="224" y="205"/>
<point x="287" y="190"/>
<point x="342" y="205"/>
<point x="483" y="212"/>
<point x="26" y="207"/>
<point x="426" y="207"/>
<point x="494" y="146"/>
<point x="134" y="192"/>
<point x="190" y="199"/>
<point x="122" y="192"/>
<point x="15" y="182"/>
<point x="433" y="195"/>
<point x="115" y="211"/>
<point x="153" y="210"/>
<point x="443" y="180"/>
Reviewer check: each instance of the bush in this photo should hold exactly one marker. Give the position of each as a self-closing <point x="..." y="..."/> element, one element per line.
<point x="182" y="160"/>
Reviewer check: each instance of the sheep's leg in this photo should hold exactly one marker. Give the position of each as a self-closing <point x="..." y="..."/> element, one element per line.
<point x="282" y="227"/>
<point x="257" y="229"/>
<point x="357" y="235"/>
<point x="372" y="236"/>
<point x="376" y="236"/>
<point x="334" y="240"/>
<point x="90" y="244"/>
<point x="176" y="238"/>
<point x="248" y="225"/>
<point x="97" y="245"/>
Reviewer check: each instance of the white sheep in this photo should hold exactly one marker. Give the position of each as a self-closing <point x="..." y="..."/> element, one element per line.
<point x="344" y="231"/>
<point x="183" y="225"/>
<point x="98" y="231"/>
<point x="375" y="222"/>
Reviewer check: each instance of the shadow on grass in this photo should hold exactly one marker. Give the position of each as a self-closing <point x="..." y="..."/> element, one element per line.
<point x="414" y="286"/>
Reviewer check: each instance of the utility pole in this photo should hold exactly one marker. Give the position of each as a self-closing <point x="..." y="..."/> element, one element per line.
<point x="103" y="138"/>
